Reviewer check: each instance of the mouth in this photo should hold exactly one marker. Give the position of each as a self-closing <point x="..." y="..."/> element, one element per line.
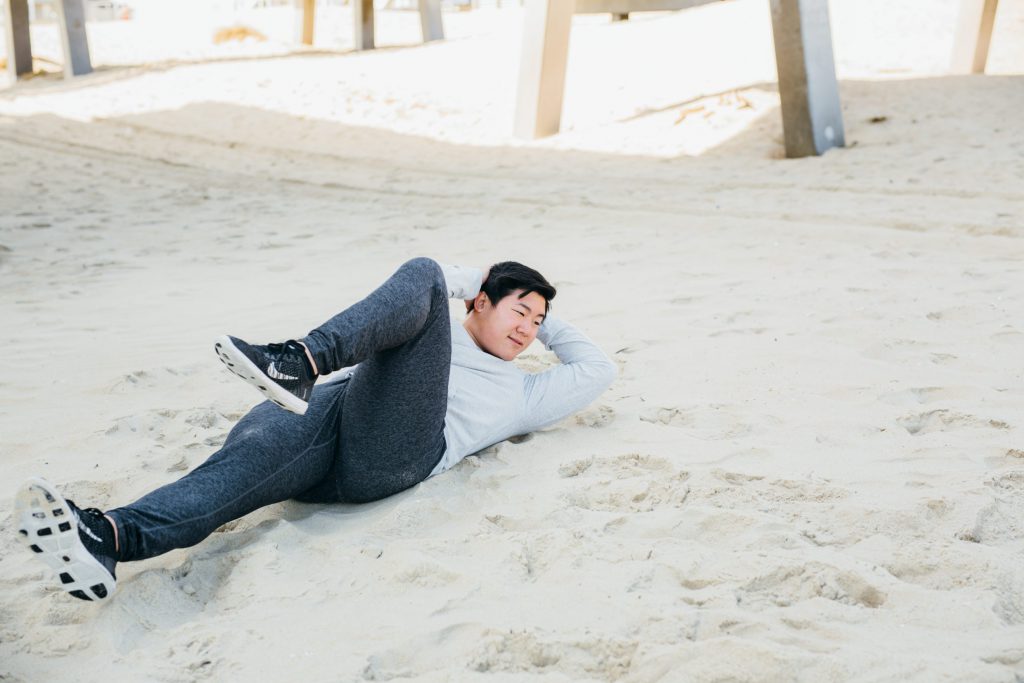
<point x="515" y="341"/>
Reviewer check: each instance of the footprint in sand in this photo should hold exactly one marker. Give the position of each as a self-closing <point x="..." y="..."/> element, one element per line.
<point x="712" y="422"/>
<point x="939" y="565"/>
<point x="627" y="483"/>
<point x="1002" y="520"/>
<point x="197" y="655"/>
<point x="150" y="379"/>
<point x="789" y="585"/>
<point x="199" y="422"/>
<point x="740" y="491"/>
<point x="591" y="657"/>
<point x="426" y="575"/>
<point x="1009" y="604"/>
<point x="896" y="350"/>
<point x="535" y="363"/>
<point x="924" y="395"/>
<point x="597" y="416"/>
<point x="427" y="652"/>
<point x="943" y="420"/>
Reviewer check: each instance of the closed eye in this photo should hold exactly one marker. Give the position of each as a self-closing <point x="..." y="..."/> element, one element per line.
<point x="537" y="321"/>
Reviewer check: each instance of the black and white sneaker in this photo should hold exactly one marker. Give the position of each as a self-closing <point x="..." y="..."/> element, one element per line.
<point x="78" y="545"/>
<point x="281" y="371"/>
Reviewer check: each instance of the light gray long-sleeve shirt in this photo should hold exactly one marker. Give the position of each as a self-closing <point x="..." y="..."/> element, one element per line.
<point x="490" y="399"/>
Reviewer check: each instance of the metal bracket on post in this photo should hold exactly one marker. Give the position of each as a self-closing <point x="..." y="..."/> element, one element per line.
<point x="546" y="28"/>
<point x="305" y="21"/>
<point x="973" y="36"/>
<point x="430" y="20"/>
<point x="19" y="43"/>
<point x="73" y="38"/>
<point x="362" y="24"/>
<point x="812" y="119"/>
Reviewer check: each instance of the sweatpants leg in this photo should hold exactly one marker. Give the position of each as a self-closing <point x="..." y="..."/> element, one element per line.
<point x="390" y="439"/>
<point x="392" y="420"/>
<point x="271" y="455"/>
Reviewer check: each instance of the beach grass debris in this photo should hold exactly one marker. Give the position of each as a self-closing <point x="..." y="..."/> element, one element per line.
<point x="238" y="33"/>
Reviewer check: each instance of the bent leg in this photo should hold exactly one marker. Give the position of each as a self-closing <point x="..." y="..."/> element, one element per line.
<point x="271" y="455"/>
<point x="392" y="420"/>
<point x="388" y="317"/>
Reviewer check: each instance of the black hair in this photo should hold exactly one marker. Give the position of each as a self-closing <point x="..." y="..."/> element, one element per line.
<point x="508" y="276"/>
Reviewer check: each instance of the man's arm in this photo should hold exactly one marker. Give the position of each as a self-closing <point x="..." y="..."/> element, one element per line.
<point x="585" y="372"/>
<point x="463" y="282"/>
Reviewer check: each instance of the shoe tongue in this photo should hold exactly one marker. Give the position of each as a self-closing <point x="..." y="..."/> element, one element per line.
<point x="300" y="351"/>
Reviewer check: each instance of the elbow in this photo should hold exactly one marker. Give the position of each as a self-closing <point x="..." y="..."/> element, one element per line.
<point x="607" y="373"/>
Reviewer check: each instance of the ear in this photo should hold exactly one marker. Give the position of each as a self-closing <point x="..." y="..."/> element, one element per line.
<point x="480" y="302"/>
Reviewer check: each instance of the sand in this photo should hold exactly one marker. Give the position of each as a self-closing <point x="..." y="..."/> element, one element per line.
<point x="811" y="466"/>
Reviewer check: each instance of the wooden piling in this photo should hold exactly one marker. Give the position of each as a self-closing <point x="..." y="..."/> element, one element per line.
<point x="973" y="36"/>
<point x="73" y="38"/>
<point x="812" y="120"/>
<point x="19" y="42"/>
<point x="544" y="58"/>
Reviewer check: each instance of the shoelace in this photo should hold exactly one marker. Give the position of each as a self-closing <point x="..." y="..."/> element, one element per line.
<point x="295" y="348"/>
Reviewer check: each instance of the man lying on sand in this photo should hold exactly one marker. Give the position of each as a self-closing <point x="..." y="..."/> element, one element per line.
<point x="425" y="392"/>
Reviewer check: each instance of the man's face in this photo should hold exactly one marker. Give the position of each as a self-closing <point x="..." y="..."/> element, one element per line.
<point x="506" y="328"/>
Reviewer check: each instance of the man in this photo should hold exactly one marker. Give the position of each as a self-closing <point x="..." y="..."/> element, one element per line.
<point x="419" y="393"/>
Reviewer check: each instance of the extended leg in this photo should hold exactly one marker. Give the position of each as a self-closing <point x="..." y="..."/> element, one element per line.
<point x="269" y="456"/>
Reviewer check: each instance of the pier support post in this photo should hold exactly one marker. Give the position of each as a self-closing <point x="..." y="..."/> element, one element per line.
<point x="73" y="38"/>
<point x="305" y="21"/>
<point x="430" y="20"/>
<point x="973" y="36"/>
<point x="19" y="42"/>
<point x="545" y="55"/>
<point x="812" y="119"/>
<point x="362" y="19"/>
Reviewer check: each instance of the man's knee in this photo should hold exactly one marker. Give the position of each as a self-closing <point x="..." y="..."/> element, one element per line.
<point x="428" y="272"/>
<point x="423" y="267"/>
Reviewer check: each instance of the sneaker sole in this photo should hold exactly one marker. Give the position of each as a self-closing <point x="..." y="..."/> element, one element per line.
<point x="237" y="362"/>
<point x="47" y="527"/>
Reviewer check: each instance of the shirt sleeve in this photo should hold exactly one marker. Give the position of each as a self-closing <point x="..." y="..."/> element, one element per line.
<point x="584" y="373"/>
<point x="463" y="282"/>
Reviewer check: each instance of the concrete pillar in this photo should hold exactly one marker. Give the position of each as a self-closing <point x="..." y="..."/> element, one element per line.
<point x="544" y="59"/>
<point x="19" y="43"/>
<point x="430" y="20"/>
<point x="812" y="120"/>
<point x="305" y="21"/>
<point x="73" y="38"/>
<point x="973" y="36"/>
<point x="362" y="19"/>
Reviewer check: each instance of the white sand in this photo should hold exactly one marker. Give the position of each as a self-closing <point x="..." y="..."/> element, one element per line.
<point x="811" y="466"/>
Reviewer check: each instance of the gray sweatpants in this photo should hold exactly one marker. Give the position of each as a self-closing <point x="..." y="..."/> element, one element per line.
<point x="362" y="438"/>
